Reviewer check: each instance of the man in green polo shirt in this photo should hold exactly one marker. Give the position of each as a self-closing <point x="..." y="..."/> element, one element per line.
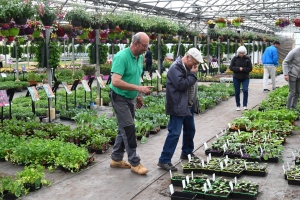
<point x="127" y="67"/>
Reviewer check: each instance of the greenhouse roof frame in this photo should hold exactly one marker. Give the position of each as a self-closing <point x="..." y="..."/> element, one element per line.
<point x="259" y="15"/>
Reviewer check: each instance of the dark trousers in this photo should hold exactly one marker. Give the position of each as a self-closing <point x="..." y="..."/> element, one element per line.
<point x="237" y="84"/>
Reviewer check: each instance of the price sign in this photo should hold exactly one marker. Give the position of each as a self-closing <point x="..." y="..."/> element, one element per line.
<point x="3" y="98"/>
<point x="33" y="93"/>
<point x="158" y="74"/>
<point x="66" y="87"/>
<point x="3" y="75"/>
<point x="101" y="82"/>
<point x="85" y="86"/>
<point x="48" y="90"/>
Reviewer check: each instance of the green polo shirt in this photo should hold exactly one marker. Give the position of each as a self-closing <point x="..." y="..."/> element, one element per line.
<point x="126" y="64"/>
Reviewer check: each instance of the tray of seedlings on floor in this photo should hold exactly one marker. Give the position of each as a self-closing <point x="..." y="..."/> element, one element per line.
<point x="177" y="179"/>
<point x="232" y="167"/>
<point x="255" y="169"/>
<point x="245" y="190"/>
<point x="292" y="175"/>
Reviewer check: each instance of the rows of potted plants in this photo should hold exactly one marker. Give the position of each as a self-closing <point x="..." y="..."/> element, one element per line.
<point x="30" y="179"/>
<point x="219" y="188"/>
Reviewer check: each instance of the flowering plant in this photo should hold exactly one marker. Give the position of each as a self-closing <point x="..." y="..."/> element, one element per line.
<point x="211" y="22"/>
<point x="20" y="9"/>
<point x="5" y="27"/>
<point x="50" y="11"/>
<point x="296" y="20"/>
<point x="237" y="20"/>
<point x="282" y="22"/>
<point x="220" y="20"/>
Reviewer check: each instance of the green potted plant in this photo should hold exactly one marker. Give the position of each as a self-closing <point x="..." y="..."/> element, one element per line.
<point x="182" y="29"/>
<point x="89" y="70"/>
<point x="221" y="22"/>
<point x="76" y="16"/>
<point x="31" y="78"/>
<point x="237" y="21"/>
<point x="4" y="15"/>
<point x="96" y="19"/>
<point x="111" y="20"/>
<point x="20" y="10"/>
<point x="48" y="13"/>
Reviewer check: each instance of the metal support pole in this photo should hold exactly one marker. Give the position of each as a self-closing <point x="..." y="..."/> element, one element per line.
<point x="179" y="43"/>
<point x="73" y="55"/>
<point x="235" y="47"/>
<point x="159" y="57"/>
<point x="228" y="48"/>
<point x="98" y="64"/>
<point x="208" y="58"/>
<point x="65" y="51"/>
<point x="253" y="43"/>
<point x="49" y="70"/>
<point x="17" y="58"/>
<point x="4" y="47"/>
<point x="27" y="56"/>
<point x="258" y="43"/>
<point x="219" y="55"/>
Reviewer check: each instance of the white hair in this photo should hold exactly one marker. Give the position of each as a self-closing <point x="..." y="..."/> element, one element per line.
<point x="241" y="49"/>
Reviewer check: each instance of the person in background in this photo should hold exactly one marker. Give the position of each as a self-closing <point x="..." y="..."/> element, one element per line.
<point x="291" y="72"/>
<point x="181" y="103"/>
<point x="125" y="86"/>
<point x="241" y="66"/>
<point x="148" y="61"/>
<point x="270" y="62"/>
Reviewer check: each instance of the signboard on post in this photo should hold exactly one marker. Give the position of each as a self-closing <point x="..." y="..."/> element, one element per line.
<point x="3" y="98"/>
<point x="33" y="93"/>
<point x="67" y="87"/>
<point x="148" y="77"/>
<point x="48" y="91"/>
<point x="158" y="74"/>
<point x="85" y="86"/>
<point x="101" y="82"/>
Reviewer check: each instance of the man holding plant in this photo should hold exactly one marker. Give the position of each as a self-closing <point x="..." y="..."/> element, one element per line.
<point x="127" y="67"/>
<point x="181" y="103"/>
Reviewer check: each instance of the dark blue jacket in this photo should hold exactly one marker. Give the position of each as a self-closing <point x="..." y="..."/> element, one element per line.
<point x="178" y="82"/>
<point x="270" y="56"/>
<point x="148" y="57"/>
<point x="244" y="63"/>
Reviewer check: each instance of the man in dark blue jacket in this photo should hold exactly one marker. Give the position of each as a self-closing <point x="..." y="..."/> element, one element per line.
<point x="148" y="60"/>
<point x="181" y="102"/>
<point x="270" y="62"/>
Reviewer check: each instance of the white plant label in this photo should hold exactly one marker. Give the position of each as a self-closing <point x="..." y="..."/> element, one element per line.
<point x="288" y="165"/>
<point x="241" y="152"/>
<point x="207" y="160"/>
<point x="214" y="177"/>
<point x="283" y="168"/>
<point x="294" y="155"/>
<point x="245" y="165"/>
<point x="227" y="157"/>
<point x="192" y="174"/>
<point x="231" y="185"/>
<point x="205" y="187"/>
<point x="205" y="146"/>
<point x="227" y="142"/>
<point x="183" y="184"/>
<point x="235" y="180"/>
<point x="224" y="148"/>
<point x="217" y="136"/>
<point x="209" y="155"/>
<point x="225" y="161"/>
<point x="202" y="161"/>
<point x="187" y="179"/>
<point x="225" y="145"/>
<point x="171" y="174"/>
<point x="171" y="189"/>
<point x="208" y="183"/>
<point x="229" y="125"/>
<point x="239" y="131"/>
<point x="189" y="157"/>
<point x="221" y="165"/>
<point x="3" y="75"/>
<point x="261" y="150"/>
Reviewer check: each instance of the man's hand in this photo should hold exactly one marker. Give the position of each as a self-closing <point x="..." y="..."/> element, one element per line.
<point x="195" y="69"/>
<point x="139" y="102"/>
<point x="145" y="89"/>
<point x="286" y="77"/>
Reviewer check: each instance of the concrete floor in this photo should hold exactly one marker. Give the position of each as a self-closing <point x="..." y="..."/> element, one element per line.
<point x="102" y="182"/>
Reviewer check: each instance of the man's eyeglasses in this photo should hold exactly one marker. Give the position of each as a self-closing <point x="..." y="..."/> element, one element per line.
<point x="144" y="45"/>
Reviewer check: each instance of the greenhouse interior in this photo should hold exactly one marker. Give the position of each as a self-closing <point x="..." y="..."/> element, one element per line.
<point x="80" y="120"/>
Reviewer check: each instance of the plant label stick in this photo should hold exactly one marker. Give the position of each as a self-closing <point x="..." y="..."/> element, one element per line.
<point x="245" y="165"/>
<point x="221" y="165"/>
<point x="224" y="148"/>
<point x="235" y="181"/>
<point x="187" y="179"/>
<point x="225" y="161"/>
<point x="205" y="145"/>
<point x="229" y="125"/>
<point x="241" y="152"/>
<point x="202" y="161"/>
<point x="239" y="131"/>
<point x="207" y="160"/>
<point x="283" y="168"/>
<point x="171" y="174"/>
<point x="288" y="166"/>
<point x="227" y="157"/>
<point x="209" y="155"/>
<point x="261" y="150"/>
<point x="217" y="136"/>
<point x="192" y="175"/>
<point x="294" y="155"/>
<point x="208" y="183"/>
<point x="189" y="157"/>
<point x="227" y="142"/>
<point x="171" y="189"/>
<point x="231" y="185"/>
<point x="205" y="187"/>
<point x="183" y="184"/>
<point x="214" y="176"/>
<point x="225" y="145"/>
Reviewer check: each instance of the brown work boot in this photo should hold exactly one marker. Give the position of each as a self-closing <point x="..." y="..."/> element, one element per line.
<point x="140" y="169"/>
<point x="120" y="164"/>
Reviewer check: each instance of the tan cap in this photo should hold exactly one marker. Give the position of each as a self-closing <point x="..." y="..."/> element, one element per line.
<point x="196" y="54"/>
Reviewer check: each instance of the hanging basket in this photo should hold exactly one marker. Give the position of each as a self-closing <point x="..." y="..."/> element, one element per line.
<point x="85" y="24"/>
<point x="237" y="24"/>
<point x="60" y="32"/>
<point x="29" y="31"/>
<point x="297" y="24"/>
<point x="123" y="27"/>
<point x="211" y="25"/>
<point x="22" y="32"/>
<point x="104" y="26"/>
<point x="112" y="26"/>
<point x="47" y="21"/>
<point x="221" y="24"/>
<point x="76" y="23"/>
<point x="20" y="21"/>
<point x="4" y="33"/>
<point x="10" y="38"/>
<point x="36" y="33"/>
<point x="92" y="34"/>
<point x="129" y="28"/>
<point x="95" y="26"/>
<point x="5" y="20"/>
<point x="13" y="31"/>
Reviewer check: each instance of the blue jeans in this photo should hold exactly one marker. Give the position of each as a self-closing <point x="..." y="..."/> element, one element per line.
<point x="175" y="125"/>
<point x="237" y="84"/>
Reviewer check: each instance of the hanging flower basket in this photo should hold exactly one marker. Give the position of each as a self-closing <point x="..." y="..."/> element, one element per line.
<point x="221" y="24"/>
<point x="13" y="31"/>
<point x="36" y="33"/>
<point x="92" y="34"/>
<point x="123" y="27"/>
<point x="60" y="32"/>
<point x="237" y="24"/>
<point x="20" y="21"/>
<point x="76" y="23"/>
<point x="104" y="26"/>
<point x="4" y="33"/>
<point x="211" y="25"/>
<point x="129" y="28"/>
<point x="5" y="20"/>
<point x="22" y="32"/>
<point x="85" y="24"/>
<point x="10" y="38"/>
<point x="297" y="21"/>
<point x="112" y="26"/>
<point x="29" y="31"/>
<point x="47" y="21"/>
<point x="95" y="26"/>
<point x="103" y="35"/>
